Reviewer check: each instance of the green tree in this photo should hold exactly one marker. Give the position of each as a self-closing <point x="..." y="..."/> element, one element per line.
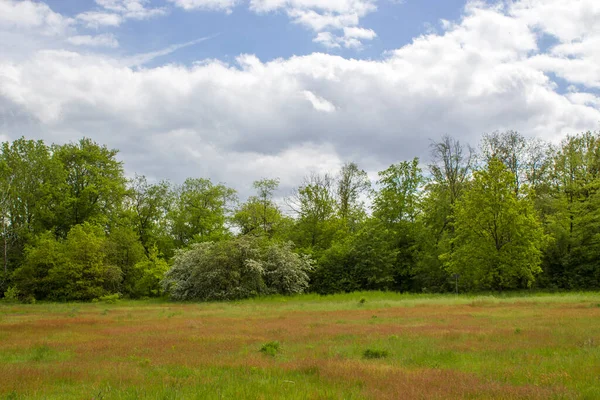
<point x="147" y="276"/>
<point x="86" y="273"/>
<point x="43" y="254"/>
<point x="260" y="215"/>
<point x="352" y="184"/>
<point x="150" y="205"/>
<point x="365" y="260"/>
<point x="572" y="212"/>
<point x="450" y="172"/>
<point x="123" y="249"/>
<point x="200" y="212"/>
<point x="499" y="239"/>
<point x="75" y="268"/>
<point x="314" y="206"/>
<point x="94" y="184"/>
<point x="397" y="206"/>
<point x="31" y="183"/>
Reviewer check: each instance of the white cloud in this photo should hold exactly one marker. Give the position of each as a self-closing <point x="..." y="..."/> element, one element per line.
<point x="575" y="25"/>
<point x="95" y="19"/>
<point x="25" y="14"/>
<point x="318" y="103"/>
<point x="214" y="5"/>
<point x="324" y="17"/>
<point x="352" y="37"/>
<point x="115" y="12"/>
<point x="328" y="40"/>
<point x="104" y="40"/>
<point x="132" y="9"/>
<point x="242" y="121"/>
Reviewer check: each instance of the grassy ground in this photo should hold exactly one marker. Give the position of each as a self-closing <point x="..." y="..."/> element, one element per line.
<point x="355" y="346"/>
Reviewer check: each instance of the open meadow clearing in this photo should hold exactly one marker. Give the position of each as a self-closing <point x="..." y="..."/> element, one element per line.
<point x="353" y="346"/>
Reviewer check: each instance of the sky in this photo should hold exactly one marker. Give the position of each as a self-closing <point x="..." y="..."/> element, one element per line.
<point x="238" y="90"/>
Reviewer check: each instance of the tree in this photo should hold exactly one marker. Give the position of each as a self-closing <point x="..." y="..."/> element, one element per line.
<point x="200" y="211"/>
<point x="94" y="183"/>
<point x="150" y="204"/>
<point x="314" y="205"/>
<point x="260" y="215"/>
<point x="509" y="148"/>
<point x="573" y="210"/>
<point x="366" y="260"/>
<point x="397" y="206"/>
<point x="32" y="184"/>
<point x="147" y="276"/>
<point x="450" y="171"/>
<point x="499" y="239"/>
<point x="352" y="183"/>
<point x="451" y="167"/>
<point x="397" y="200"/>
<point x="75" y="268"/>
<point x="6" y="178"/>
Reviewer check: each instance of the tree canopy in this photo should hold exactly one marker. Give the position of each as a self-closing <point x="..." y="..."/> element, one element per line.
<point x="514" y="213"/>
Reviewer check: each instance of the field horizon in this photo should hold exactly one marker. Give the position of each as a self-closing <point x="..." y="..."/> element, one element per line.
<point x="365" y="345"/>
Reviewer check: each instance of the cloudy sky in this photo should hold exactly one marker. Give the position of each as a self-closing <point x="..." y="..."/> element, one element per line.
<point x="236" y="90"/>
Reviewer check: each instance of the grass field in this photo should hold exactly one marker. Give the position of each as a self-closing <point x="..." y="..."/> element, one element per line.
<point x="354" y="346"/>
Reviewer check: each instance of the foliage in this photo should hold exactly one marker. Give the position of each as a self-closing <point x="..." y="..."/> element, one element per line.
<point x="73" y="269"/>
<point x="236" y="269"/>
<point x="200" y="211"/>
<point x="270" y="348"/>
<point x="499" y="239"/>
<point x="364" y="261"/>
<point x="147" y="276"/>
<point x="260" y="215"/>
<point x="11" y="295"/>
<point x="94" y="184"/>
<point x="374" y="354"/>
<point x="520" y="213"/>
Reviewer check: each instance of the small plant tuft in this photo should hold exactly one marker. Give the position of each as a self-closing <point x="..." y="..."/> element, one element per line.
<point x="270" y="348"/>
<point x="518" y="331"/>
<point x="374" y="354"/>
<point x="362" y="301"/>
<point x="110" y="298"/>
<point x="41" y="353"/>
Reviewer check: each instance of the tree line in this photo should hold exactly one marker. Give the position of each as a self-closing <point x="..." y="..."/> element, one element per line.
<point x="514" y="213"/>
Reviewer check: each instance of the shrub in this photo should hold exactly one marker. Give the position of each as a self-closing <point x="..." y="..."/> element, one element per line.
<point x="374" y="353"/>
<point x="270" y="348"/>
<point x="110" y="298"/>
<point x="236" y="269"/>
<point x="11" y="295"/>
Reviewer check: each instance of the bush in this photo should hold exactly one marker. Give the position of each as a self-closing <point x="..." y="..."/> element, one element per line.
<point x="374" y="353"/>
<point x="110" y="298"/>
<point x="270" y="348"/>
<point x="148" y="275"/>
<point x="11" y="295"/>
<point x="236" y="269"/>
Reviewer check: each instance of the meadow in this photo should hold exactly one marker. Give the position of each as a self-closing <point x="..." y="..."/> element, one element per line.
<point x="367" y="345"/>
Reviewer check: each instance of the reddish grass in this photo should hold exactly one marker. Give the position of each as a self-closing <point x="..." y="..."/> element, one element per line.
<point x="120" y="346"/>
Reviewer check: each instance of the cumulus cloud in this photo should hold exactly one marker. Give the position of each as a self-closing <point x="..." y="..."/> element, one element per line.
<point x="325" y="17"/>
<point x="213" y="5"/>
<point x="235" y="122"/>
<point x="115" y="12"/>
<point x="29" y="15"/>
<point x="329" y="19"/>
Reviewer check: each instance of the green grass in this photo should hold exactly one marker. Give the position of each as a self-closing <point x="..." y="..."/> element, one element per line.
<point x="510" y="345"/>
